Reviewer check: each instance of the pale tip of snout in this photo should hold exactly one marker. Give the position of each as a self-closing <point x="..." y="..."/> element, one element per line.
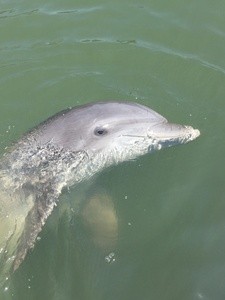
<point x="172" y="134"/>
<point x="192" y="133"/>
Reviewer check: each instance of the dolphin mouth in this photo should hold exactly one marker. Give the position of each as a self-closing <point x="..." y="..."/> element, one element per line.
<point x="169" y="134"/>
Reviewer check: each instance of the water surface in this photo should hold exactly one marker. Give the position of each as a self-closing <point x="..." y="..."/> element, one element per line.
<point x="166" y="237"/>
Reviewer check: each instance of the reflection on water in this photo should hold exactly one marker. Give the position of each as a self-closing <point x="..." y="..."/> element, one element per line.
<point x="100" y="220"/>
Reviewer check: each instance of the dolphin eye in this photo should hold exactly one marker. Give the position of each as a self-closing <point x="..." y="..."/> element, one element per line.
<point x="100" y="131"/>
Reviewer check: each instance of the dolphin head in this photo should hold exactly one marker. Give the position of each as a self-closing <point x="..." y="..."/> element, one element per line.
<point x="65" y="149"/>
<point x="115" y="131"/>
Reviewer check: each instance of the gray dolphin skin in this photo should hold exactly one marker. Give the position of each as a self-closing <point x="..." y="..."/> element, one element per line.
<point x="64" y="150"/>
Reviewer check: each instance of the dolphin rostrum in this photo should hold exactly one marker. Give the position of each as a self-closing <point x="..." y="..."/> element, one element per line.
<point x="65" y="149"/>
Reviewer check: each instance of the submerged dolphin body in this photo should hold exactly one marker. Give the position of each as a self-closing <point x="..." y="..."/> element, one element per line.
<point x="67" y="148"/>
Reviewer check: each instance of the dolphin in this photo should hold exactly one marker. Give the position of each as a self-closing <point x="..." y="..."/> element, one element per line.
<point x="64" y="150"/>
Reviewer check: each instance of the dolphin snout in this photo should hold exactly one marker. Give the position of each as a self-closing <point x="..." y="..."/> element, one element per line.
<point x="180" y="134"/>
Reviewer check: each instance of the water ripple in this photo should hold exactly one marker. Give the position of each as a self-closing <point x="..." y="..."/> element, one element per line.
<point x="183" y="55"/>
<point x="70" y="11"/>
<point x="10" y="13"/>
<point x="162" y="49"/>
<point x="154" y="47"/>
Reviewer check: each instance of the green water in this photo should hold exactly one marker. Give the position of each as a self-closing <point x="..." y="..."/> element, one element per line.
<point x="168" y="208"/>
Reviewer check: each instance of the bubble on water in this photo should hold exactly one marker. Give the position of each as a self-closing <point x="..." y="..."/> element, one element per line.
<point x="199" y="295"/>
<point x="110" y="258"/>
